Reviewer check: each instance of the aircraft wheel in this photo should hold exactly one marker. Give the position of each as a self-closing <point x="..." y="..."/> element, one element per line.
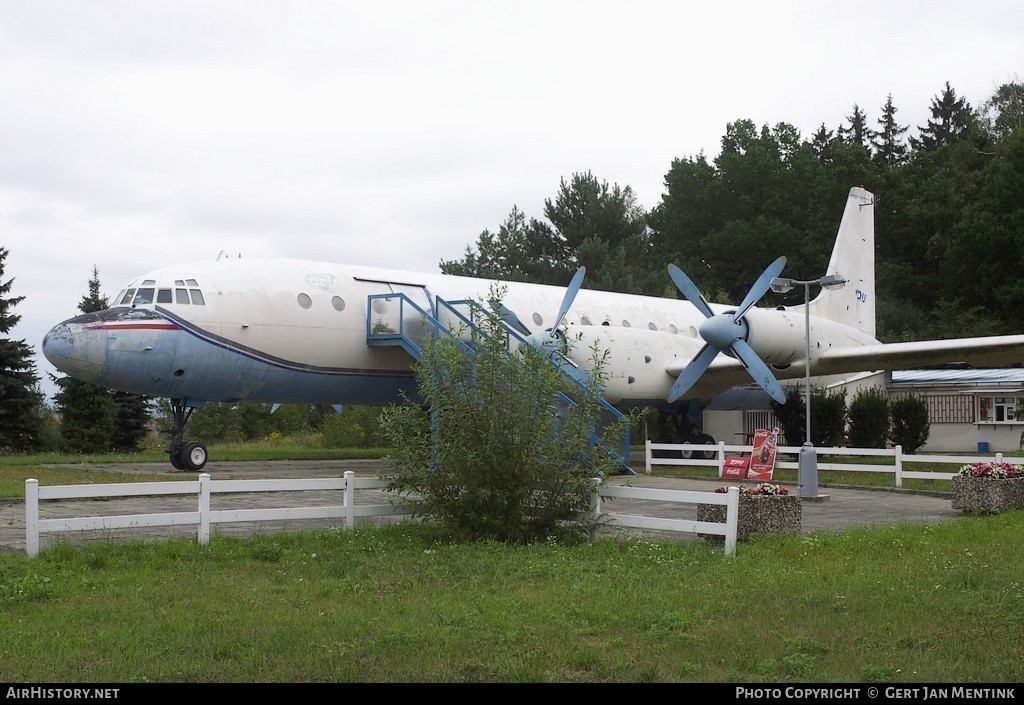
<point x="705" y="439"/>
<point x="194" y="456"/>
<point x="175" y="456"/>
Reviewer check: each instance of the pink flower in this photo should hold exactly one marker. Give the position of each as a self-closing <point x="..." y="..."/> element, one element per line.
<point x="765" y="488"/>
<point x="993" y="470"/>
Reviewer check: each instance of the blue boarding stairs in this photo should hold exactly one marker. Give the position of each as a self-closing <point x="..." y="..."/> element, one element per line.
<point x="396" y="320"/>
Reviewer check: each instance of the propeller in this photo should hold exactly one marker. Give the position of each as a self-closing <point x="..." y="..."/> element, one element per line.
<point x="551" y="341"/>
<point x="552" y="338"/>
<point x="726" y="333"/>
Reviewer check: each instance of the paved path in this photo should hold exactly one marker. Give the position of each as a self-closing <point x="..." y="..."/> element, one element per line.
<point x="838" y="508"/>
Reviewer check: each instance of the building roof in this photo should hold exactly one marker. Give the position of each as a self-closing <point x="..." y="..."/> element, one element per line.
<point x="995" y="379"/>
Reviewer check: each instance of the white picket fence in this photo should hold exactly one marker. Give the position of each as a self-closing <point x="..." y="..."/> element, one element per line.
<point x="348" y="511"/>
<point x="896" y="468"/>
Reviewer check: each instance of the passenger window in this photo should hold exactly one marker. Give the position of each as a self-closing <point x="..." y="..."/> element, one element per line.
<point x="338" y="303"/>
<point x="197" y="297"/>
<point x="180" y="296"/>
<point x="163" y="296"/>
<point x="305" y="301"/>
<point x="128" y="296"/>
<point x="144" y="296"/>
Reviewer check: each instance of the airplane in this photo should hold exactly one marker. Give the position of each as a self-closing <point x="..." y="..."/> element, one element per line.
<point x="280" y="331"/>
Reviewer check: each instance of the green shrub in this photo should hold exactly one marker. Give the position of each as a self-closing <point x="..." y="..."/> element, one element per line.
<point x="910" y="424"/>
<point x="828" y="416"/>
<point x="791" y="416"/>
<point x="869" y="418"/>
<point x="498" y="456"/>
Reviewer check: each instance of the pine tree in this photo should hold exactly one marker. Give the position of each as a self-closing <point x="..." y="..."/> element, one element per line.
<point x="951" y="121"/>
<point x="821" y="143"/>
<point x="20" y="398"/>
<point x="93" y="419"/>
<point x="888" y="142"/>
<point x="858" y="133"/>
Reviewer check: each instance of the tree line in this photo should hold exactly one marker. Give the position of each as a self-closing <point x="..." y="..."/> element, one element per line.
<point x="949" y="230"/>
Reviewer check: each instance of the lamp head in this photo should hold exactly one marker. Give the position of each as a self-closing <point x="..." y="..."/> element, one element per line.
<point x="832" y="281"/>
<point x="780" y="285"/>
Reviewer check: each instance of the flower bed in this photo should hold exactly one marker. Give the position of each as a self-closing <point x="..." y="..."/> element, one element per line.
<point x="766" y="509"/>
<point x="988" y="488"/>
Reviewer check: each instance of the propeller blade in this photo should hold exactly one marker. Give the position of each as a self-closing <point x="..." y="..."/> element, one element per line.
<point x="570" y="294"/>
<point x="689" y="290"/>
<point x="509" y="316"/>
<point x="760" y="287"/>
<point x="692" y="372"/>
<point x="758" y="370"/>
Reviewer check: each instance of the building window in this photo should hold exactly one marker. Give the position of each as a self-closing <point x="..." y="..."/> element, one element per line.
<point x="950" y="408"/>
<point x="997" y="409"/>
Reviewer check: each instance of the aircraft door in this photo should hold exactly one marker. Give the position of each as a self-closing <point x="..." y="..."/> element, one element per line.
<point x="411" y="316"/>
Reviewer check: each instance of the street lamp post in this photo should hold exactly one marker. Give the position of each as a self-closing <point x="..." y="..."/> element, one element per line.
<point x="807" y="468"/>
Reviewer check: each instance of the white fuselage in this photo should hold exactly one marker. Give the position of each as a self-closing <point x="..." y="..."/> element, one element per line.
<point x="296" y="331"/>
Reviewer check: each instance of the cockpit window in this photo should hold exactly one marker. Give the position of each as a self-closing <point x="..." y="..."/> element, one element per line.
<point x="191" y="282"/>
<point x="144" y="296"/>
<point x="181" y="296"/>
<point x="197" y="296"/>
<point x="163" y="296"/>
<point x="127" y="298"/>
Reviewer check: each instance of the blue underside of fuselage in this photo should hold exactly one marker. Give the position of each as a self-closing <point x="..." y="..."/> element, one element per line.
<point x="190" y="363"/>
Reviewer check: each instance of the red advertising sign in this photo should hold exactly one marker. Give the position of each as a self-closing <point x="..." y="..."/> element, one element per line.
<point x="735" y="467"/>
<point x="762" y="458"/>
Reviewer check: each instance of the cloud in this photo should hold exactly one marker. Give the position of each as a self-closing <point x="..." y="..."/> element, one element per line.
<point x="137" y="135"/>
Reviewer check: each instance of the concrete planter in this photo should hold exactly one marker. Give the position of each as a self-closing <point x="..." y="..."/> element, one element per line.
<point x="758" y="514"/>
<point x="987" y="495"/>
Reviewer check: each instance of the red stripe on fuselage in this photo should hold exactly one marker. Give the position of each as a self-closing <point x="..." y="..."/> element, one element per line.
<point x="134" y="326"/>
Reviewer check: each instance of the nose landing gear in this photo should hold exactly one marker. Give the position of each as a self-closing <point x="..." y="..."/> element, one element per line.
<point x="191" y="456"/>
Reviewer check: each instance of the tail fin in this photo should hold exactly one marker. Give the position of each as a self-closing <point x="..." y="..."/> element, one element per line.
<point x="853" y="258"/>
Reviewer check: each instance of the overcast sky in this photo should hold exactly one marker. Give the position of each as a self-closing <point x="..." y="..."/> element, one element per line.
<point x="139" y="134"/>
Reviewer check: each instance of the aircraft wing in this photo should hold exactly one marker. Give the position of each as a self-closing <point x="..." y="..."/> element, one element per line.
<point x="987" y="351"/>
<point x="725" y="373"/>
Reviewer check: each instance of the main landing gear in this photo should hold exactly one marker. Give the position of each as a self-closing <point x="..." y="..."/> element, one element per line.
<point x="191" y="456"/>
<point x="676" y="428"/>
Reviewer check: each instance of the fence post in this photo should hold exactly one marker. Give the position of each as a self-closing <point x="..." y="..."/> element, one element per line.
<point x="721" y="457"/>
<point x="32" y="517"/>
<point x="350" y="498"/>
<point x="732" y="515"/>
<point x="647" y="456"/>
<point x="595" y="507"/>
<point x="204" y="508"/>
<point x="899" y="466"/>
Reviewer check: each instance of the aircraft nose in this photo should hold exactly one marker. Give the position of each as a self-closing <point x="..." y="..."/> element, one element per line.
<point x="74" y="350"/>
